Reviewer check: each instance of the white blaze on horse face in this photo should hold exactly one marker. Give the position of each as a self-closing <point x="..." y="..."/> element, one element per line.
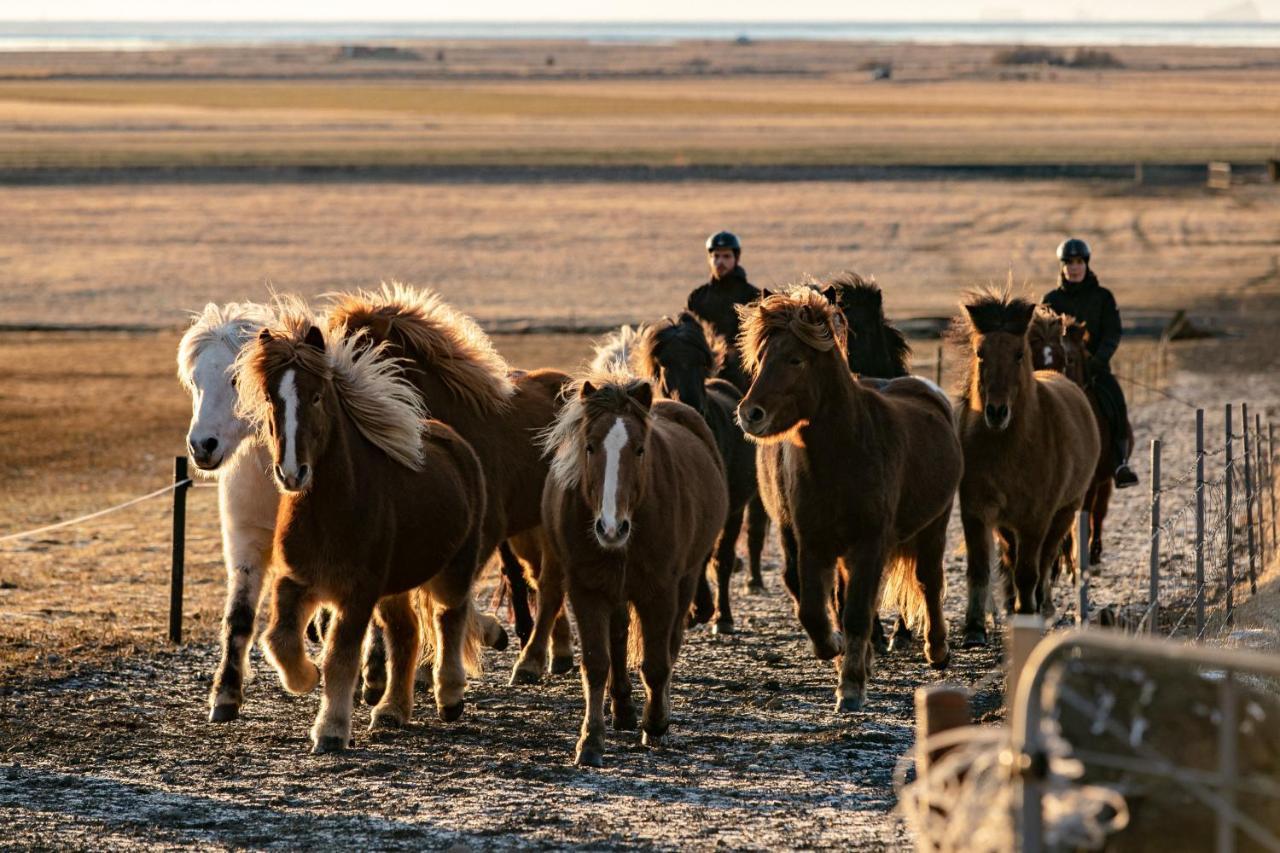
<point x="613" y="444"/>
<point x="289" y="396"/>
<point x="1048" y="356"/>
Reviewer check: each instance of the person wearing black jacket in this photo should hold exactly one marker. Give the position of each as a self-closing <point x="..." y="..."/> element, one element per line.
<point x="717" y="300"/>
<point x="1080" y="295"/>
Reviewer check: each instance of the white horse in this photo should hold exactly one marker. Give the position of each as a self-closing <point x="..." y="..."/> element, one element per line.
<point x="222" y="445"/>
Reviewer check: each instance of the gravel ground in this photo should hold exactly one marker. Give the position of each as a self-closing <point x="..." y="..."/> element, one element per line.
<point x="120" y="756"/>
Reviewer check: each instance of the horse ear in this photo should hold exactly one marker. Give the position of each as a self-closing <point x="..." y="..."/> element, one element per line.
<point x="642" y="393"/>
<point x="832" y="295"/>
<point x="586" y="390"/>
<point x="315" y="338"/>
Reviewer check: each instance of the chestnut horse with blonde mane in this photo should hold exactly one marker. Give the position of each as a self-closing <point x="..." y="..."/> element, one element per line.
<point x="376" y="503"/>
<point x="860" y="474"/>
<point x="632" y="509"/>
<point x="1030" y="448"/>
<point x="466" y="383"/>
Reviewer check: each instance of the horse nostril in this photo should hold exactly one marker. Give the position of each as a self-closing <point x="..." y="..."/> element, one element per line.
<point x="624" y="527"/>
<point x="209" y="445"/>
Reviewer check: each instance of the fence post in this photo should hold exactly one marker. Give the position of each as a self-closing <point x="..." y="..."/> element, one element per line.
<point x="937" y="367"/>
<point x="1082" y="572"/>
<point x="1199" y="522"/>
<point x="1154" y="590"/>
<point x="180" y="485"/>
<point x="1229" y="498"/>
<point x="1260" y="480"/>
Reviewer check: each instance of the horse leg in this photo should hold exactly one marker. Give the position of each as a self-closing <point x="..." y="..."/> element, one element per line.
<point x="518" y="587"/>
<point x="399" y="625"/>
<point x="723" y="561"/>
<point x="624" y="710"/>
<point x="865" y="564"/>
<point x="374" y="667"/>
<point x="656" y="632"/>
<point x="817" y="577"/>
<point x="561" y="645"/>
<point x="248" y="554"/>
<point x="331" y="731"/>
<point x="977" y="543"/>
<point x="757" y="529"/>
<point x="291" y="607"/>
<point x="1098" y="514"/>
<point x="930" y="547"/>
<point x="593" y="612"/>
<point x="532" y="662"/>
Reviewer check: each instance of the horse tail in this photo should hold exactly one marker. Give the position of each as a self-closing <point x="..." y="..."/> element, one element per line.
<point x="903" y="590"/>
<point x="479" y="632"/>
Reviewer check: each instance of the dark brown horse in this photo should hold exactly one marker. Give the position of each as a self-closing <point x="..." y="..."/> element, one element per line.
<point x="466" y="384"/>
<point x="1030" y="447"/>
<point x="1074" y="349"/>
<point x="632" y="509"/>
<point x="680" y="357"/>
<point x="859" y="474"/>
<point x="376" y="503"/>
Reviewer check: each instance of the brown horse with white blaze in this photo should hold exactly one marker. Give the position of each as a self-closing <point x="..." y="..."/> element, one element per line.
<point x="1030" y="447"/>
<point x="632" y="509"/>
<point x="376" y="503"/>
<point x="857" y="473"/>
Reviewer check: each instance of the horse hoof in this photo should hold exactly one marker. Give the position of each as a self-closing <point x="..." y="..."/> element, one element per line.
<point x="451" y="713"/>
<point x="329" y="743"/>
<point x="850" y="704"/>
<point x="501" y="641"/>
<point x="224" y="713"/>
<point x="524" y="676"/>
<point x="974" y="638"/>
<point x="561" y="664"/>
<point x="652" y="739"/>
<point x="588" y="757"/>
<point x="373" y="695"/>
<point x="723" y="626"/>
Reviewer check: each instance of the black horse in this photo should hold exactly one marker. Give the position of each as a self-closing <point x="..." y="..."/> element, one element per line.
<point x="681" y="356"/>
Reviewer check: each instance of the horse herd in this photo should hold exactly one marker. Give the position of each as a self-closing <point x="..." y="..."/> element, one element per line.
<point x="372" y="458"/>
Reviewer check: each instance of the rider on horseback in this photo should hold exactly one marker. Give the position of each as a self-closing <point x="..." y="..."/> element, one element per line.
<point x="717" y="300"/>
<point x="1080" y="295"/>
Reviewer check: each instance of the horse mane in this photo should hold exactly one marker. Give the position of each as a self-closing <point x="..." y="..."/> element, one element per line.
<point x="562" y="438"/>
<point x="863" y="296"/>
<point x="613" y="352"/>
<point x="685" y="326"/>
<point x="427" y="328"/>
<point x="371" y="388"/>
<point x="801" y="310"/>
<point x="230" y="325"/>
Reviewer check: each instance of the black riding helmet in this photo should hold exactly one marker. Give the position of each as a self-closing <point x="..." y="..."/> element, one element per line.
<point x="1073" y="247"/>
<point x="724" y="240"/>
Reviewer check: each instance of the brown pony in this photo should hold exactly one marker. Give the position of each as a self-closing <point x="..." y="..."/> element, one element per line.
<point x="376" y="502"/>
<point x="1074" y="343"/>
<point x="466" y="384"/>
<point x="857" y="473"/>
<point x="632" y="509"/>
<point x="1030" y="446"/>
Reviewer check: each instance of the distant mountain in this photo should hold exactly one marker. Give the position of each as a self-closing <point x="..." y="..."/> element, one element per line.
<point x="1244" y="12"/>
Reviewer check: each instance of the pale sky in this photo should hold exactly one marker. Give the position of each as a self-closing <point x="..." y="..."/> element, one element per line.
<point x="620" y="10"/>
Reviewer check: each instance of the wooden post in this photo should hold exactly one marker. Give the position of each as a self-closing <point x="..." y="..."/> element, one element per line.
<point x="1230" y="572"/>
<point x="1199" y="522"/>
<point x="181" y="482"/>
<point x="1248" y="499"/>
<point x="939" y="708"/>
<point x="1082" y="573"/>
<point x="1153" y="591"/>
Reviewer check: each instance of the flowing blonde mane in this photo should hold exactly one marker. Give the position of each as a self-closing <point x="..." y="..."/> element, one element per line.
<point x="427" y="328"/>
<point x="370" y="386"/>
<point x="562" y="438"/>
<point x="800" y="310"/>
<point x="231" y="325"/>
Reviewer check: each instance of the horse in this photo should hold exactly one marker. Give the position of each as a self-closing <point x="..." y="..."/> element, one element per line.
<point x="1074" y="355"/>
<point x="860" y="473"/>
<point x="1030" y="448"/>
<point x="680" y="357"/>
<point x="467" y="384"/>
<point x="376" y="503"/>
<point x="222" y="445"/>
<point x="632" y="508"/>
